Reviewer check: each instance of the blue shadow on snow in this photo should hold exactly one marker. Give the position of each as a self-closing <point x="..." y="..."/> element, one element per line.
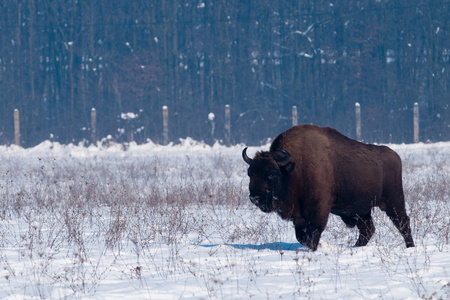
<point x="277" y="246"/>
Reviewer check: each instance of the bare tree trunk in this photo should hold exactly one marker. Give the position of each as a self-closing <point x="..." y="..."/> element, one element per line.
<point x="18" y="55"/>
<point x="32" y="10"/>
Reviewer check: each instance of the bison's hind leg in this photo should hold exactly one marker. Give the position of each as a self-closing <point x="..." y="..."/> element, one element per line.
<point x="401" y="221"/>
<point x="350" y="222"/>
<point x="366" y="230"/>
<point x="365" y="226"/>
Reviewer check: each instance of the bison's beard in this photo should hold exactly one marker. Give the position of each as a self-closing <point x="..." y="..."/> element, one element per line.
<point x="264" y="202"/>
<point x="267" y="208"/>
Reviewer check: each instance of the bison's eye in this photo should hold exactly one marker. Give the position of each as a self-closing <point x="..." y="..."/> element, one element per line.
<point x="272" y="177"/>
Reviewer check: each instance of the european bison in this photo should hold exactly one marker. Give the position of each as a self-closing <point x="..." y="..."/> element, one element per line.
<point x="311" y="171"/>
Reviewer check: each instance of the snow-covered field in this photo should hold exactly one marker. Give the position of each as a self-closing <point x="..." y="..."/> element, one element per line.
<point x="174" y="222"/>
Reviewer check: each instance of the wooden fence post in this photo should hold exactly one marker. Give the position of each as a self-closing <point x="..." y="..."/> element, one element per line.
<point x="294" y="116"/>
<point x="227" y="124"/>
<point x="358" y="121"/>
<point x="211" y="118"/>
<point x="165" y="124"/>
<point x="93" y="126"/>
<point x="416" y="122"/>
<point x="16" y="127"/>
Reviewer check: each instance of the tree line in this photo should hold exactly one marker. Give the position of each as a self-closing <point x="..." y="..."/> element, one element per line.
<point x="60" y="59"/>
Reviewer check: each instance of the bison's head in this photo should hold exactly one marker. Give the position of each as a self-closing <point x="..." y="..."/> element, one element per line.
<point x="265" y="171"/>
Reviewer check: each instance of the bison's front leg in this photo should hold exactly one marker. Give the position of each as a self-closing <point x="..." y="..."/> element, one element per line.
<point x="308" y="235"/>
<point x="366" y="230"/>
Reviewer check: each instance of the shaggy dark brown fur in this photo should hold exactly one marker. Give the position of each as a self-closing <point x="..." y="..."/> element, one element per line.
<point x="311" y="171"/>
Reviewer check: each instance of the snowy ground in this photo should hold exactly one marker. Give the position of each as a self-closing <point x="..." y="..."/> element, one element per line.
<point x="172" y="222"/>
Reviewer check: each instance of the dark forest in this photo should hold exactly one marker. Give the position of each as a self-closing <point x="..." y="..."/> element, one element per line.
<point x="60" y="59"/>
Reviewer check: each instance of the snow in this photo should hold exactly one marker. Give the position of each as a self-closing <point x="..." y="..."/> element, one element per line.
<point x="129" y="115"/>
<point x="173" y="222"/>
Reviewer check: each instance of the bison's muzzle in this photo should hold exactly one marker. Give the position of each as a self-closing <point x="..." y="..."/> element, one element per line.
<point x="264" y="202"/>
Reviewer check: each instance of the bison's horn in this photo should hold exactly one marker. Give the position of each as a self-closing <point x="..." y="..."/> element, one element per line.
<point x="245" y="157"/>
<point x="284" y="160"/>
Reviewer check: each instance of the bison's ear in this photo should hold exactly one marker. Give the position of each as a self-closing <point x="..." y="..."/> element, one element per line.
<point x="289" y="167"/>
<point x="283" y="160"/>
<point x="282" y="157"/>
